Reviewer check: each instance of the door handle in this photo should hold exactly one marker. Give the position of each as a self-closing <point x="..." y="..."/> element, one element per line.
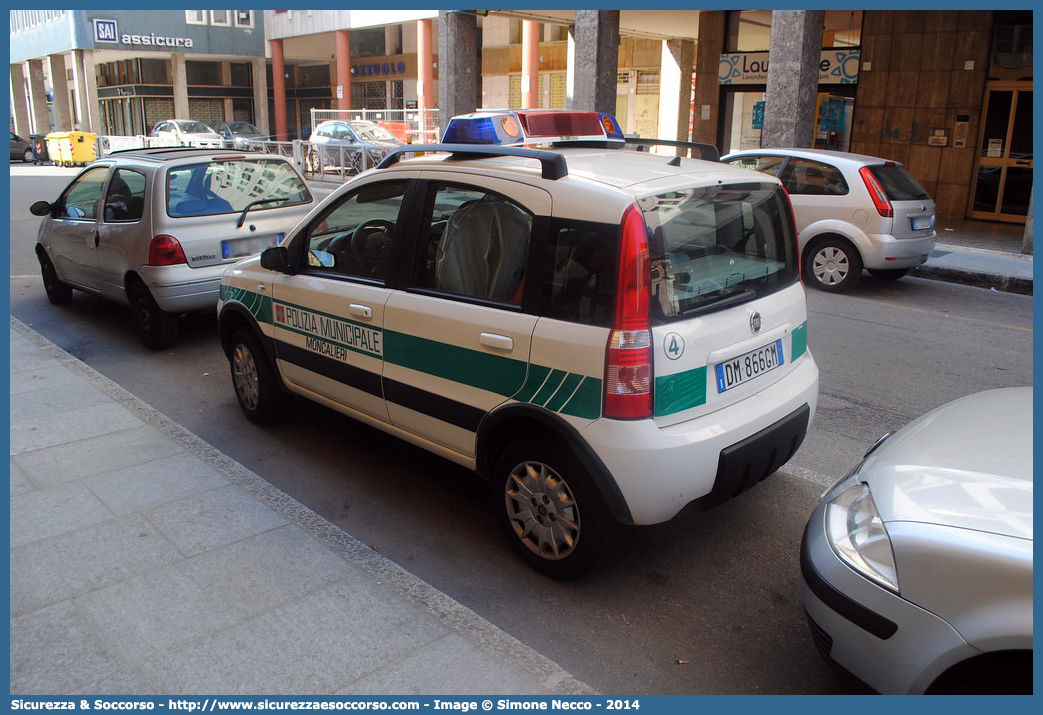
<point x="97" y="238"/>
<point x="498" y="342"/>
<point x="360" y="311"/>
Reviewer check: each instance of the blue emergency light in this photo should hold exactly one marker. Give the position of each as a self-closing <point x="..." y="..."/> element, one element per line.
<point x="532" y="126"/>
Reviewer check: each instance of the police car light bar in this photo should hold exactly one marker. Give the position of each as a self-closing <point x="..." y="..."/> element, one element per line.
<point x="531" y="126"/>
<point x="552" y="164"/>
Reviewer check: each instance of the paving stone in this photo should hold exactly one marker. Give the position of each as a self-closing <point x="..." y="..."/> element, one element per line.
<point x="54" y="651"/>
<point x="152" y="483"/>
<point x="38" y="515"/>
<point x="204" y="595"/>
<point x="312" y="645"/>
<point x="95" y="455"/>
<point x="60" y="567"/>
<point x="212" y="519"/>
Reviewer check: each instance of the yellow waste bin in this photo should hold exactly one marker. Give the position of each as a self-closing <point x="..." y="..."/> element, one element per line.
<point x="72" y="148"/>
<point x="59" y="148"/>
<point x="83" y="148"/>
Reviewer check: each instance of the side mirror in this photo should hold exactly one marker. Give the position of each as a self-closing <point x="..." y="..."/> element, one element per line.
<point x="40" y="208"/>
<point x="276" y="259"/>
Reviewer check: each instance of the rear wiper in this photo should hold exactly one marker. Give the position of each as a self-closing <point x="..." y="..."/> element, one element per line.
<point x="738" y="296"/>
<point x="250" y="205"/>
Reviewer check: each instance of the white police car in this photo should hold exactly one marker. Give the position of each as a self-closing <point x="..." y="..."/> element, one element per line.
<point x="605" y="335"/>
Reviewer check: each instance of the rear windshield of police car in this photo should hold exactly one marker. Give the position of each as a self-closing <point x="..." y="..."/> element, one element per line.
<point x="713" y="247"/>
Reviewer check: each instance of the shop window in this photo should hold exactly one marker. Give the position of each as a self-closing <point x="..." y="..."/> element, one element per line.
<point x="195" y="17"/>
<point x="154" y="71"/>
<point x="221" y="18"/>
<point x="244" y="18"/>
<point x="242" y="74"/>
<point x="203" y="73"/>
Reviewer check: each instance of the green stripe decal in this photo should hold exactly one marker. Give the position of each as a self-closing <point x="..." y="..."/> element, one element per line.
<point x="258" y="304"/>
<point x="799" y="341"/>
<point x="568" y="386"/>
<point x="586" y="402"/>
<point x="493" y="373"/>
<point x="537" y="375"/>
<point x="680" y="391"/>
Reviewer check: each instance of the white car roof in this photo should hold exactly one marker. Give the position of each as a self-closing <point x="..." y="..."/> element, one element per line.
<point x="618" y="168"/>
<point x="825" y="155"/>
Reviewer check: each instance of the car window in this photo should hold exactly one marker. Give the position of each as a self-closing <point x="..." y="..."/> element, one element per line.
<point x="81" y="198"/>
<point x="762" y="163"/>
<point x="473" y="243"/>
<point x="193" y="127"/>
<point x="353" y="236"/>
<point x="579" y="272"/>
<point x="715" y="246"/>
<point x="813" y="178"/>
<point x="225" y="186"/>
<point x="898" y="183"/>
<point x="125" y="199"/>
<point x="373" y="132"/>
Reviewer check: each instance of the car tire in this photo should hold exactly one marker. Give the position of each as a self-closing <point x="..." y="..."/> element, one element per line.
<point x="889" y="274"/>
<point x="57" y="292"/>
<point x="27" y="155"/>
<point x="832" y="264"/>
<point x="550" y="509"/>
<point x="257" y="387"/>
<point x="156" y="327"/>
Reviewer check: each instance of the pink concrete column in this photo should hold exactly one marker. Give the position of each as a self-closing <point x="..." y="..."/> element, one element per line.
<point x="530" y="88"/>
<point x="344" y="68"/>
<point x="279" y="90"/>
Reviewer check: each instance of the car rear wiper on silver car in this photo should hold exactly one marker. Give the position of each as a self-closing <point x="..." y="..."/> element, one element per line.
<point x="258" y="202"/>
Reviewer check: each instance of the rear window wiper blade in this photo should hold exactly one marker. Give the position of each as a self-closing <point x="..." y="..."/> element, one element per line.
<point x="258" y="202"/>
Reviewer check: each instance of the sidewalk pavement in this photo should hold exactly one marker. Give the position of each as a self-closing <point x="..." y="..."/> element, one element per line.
<point x="144" y="561"/>
<point x="979" y="253"/>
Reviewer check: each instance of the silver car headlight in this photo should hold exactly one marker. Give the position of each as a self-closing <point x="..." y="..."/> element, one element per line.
<point x="857" y="535"/>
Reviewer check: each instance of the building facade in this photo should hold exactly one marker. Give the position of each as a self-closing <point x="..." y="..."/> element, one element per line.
<point x="946" y="92"/>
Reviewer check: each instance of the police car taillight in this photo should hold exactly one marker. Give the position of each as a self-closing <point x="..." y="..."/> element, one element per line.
<point x="532" y="126"/>
<point x="628" y="357"/>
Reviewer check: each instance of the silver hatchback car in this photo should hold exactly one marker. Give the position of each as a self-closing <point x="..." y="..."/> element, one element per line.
<point x="357" y="145"/>
<point x="917" y="567"/>
<point x="156" y="228"/>
<point x="853" y="212"/>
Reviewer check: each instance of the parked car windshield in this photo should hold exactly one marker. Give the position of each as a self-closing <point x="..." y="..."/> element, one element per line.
<point x="243" y="128"/>
<point x="225" y="186"/>
<point x="898" y="183"/>
<point x="716" y="246"/>
<point x="194" y="127"/>
<point x="370" y="132"/>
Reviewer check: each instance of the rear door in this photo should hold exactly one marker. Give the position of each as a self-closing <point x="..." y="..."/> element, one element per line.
<point x="457" y="342"/>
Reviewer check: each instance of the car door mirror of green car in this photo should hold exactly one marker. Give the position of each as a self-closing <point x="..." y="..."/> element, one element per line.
<point x="276" y="258"/>
<point x="41" y="208"/>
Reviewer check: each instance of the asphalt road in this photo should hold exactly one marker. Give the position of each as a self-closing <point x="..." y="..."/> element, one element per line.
<point x="708" y="603"/>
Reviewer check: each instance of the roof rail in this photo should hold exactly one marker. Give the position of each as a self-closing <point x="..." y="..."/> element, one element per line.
<point x="552" y="163"/>
<point x="707" y="152"/>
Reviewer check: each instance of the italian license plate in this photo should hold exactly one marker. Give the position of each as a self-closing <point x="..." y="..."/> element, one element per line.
<point x="241" y="247"/>
<point x="923" y="223"/>
<point x="744" y="368"/>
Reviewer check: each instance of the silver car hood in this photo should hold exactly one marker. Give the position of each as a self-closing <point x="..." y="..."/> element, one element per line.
<point x="967" y="464"/>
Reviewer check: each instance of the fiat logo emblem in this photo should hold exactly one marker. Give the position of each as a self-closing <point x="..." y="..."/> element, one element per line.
<point x="755" y="322"/>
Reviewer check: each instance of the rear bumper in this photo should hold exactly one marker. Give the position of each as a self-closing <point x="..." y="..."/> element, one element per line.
<point x="661" y="470"/>
<point x="886" y="251"/>
<point x="180" y="289"/>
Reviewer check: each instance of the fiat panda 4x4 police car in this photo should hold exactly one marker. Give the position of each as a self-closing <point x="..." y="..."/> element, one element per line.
<point x="605" y="335"/>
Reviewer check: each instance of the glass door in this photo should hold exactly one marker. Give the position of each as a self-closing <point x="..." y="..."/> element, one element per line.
<point x="1003" y="180"/>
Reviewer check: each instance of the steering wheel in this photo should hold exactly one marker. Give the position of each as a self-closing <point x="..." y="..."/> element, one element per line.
<point x="358" y="236"/>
